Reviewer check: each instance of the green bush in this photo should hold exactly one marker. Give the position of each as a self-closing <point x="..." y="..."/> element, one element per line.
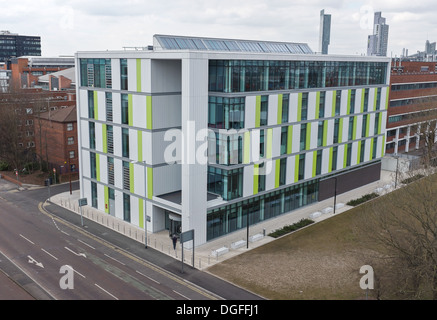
<point x="4" y="166"/>
<point x="412" y="179"/>
<point x="363" y="199"/>
<point x="290" y="228"/>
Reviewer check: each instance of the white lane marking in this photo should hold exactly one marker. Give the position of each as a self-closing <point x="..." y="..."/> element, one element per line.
<point x="181" y="295"/>
<point x="86" y="244"/>
<point x="147" y="277"/>
<point x="105" y="291"/>
<point x="26" y="238"/>
<point x="114" y="259"/>
<point x="77" y="254"/>
<point x="49" y="254"/>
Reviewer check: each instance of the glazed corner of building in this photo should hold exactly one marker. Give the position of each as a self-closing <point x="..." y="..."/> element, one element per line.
<point x="164" y="89"/>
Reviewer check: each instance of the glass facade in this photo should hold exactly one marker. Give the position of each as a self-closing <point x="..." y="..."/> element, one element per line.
<point x="226" y="183"/>
<point x="96" y="73"/>
<point x="260" y="75"/>
<point x="226" y="113"/>
<point x="233" y="217"/>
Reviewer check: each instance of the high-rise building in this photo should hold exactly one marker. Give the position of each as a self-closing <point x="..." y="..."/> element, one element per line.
<point x="377" y="42"/>
<point x="13" y="45"/>
<point x="325" y="32"/>
<point x="211" y="135"/>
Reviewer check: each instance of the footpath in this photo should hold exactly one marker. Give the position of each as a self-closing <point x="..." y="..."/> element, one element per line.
<point x="228" y="246"/>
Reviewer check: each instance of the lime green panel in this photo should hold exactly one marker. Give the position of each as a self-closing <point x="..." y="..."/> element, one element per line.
<point x="289" y="139"/>
<point x="141" y="212"/>
<point x="106" y="191"/>
<point x="277" y="172"/>
<point x="269" y="143"/>
<point x="96" y="106"/>
<point x="149" y="112"/>
<point x="296" y="168"/>
<point x="139" y="75"/>
<point x="130" y="109"/>
<point x="149" y="183"/>
<point x="345" y="155"/>
<point x="279" y="108"/>
<point x="371" y="149"/>
<point x="314" y="163"/>
<point x="331" y="152"/>
<point x="299" y="106"/>
<point x="379" y="122"/>
<point x="258" y="111"/>
<point x="255" y="178"/>
<point x="354" y="133"/>
<point x="334" y="98"/>
<point x="325" y="133"/>
<point x="367" y="125"/>
<point x="104" y="139"/>
<point x="131" y="177"/>
<point x="387" y="98"/>
<point x="340" y="130"/>
<point x="140" y="145"/>
<point x="246" y="147"/>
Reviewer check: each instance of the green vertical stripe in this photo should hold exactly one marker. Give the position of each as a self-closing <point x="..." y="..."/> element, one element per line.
<point x="314" y="163"/>
<point x="130" y="109"/>
<point x="269" y="143"/>
<point x="289" y="139"/>
<point x="96" y="106"/>
<point x="379" y="122"/>
<point x="354" y="133"/>
<point x="106" y="191"/>
<point x="334" y="97"/>
<point x="97" y="167"/>
<point x="371" y="148"/>
<point x="359" y="151"/>
<point x="140" y="145"/>
<point x="246" y="147"/>
<point x="258" y="111"/>
<point x="131" y="177"/>
<point x="149" y="112"/>
<point x="331" y="153"/>
<point x="141" y="212"/>
<point x="325" y="133"/>
<point x="299" y="106"/>
<point x="296" y="168"/>
<point x="104" y="139"/>
<point x="149" y="182"/>
<point x="317" y="105"/>
<point x="387" y="98"/>
<point x="138" y="75"/>
<point x="277" y="172"/>
<point x="255" y="178"/>
<point x="367" y="125"/>
<point x="280" y="108"/>
<point x="345" y="156"/>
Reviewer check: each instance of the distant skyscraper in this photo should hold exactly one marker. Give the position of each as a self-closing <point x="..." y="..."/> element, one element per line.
<point x="377" y="42"/>
<point x="15" y="45"/>
<point x="325" y="32"/>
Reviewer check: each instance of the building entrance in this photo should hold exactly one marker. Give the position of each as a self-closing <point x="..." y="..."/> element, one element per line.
<point x="173" y="223"/>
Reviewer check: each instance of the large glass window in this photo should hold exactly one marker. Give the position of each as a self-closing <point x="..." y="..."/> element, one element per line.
<point x="92" y="133"/>
<point x="126" y="207"/>
<point x="285" y="107"/>
<point x="304" y="110"/>
<point x="124" y="109"/>
<point x="303" y="136"/>
<point x="259" y="75"/>
<point x="125" y="142"/>
<point x="226" y="183"/>
<point x="93" y="165"/>
<point x="284" y="138"/>
<point x="123" y="74"/>
<point x="96" y="73"/>
<point x="226" y="113"/>
<point x="94" y="194"/>
<point x="264" y="110"/>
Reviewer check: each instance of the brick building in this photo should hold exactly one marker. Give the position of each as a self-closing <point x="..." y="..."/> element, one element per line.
<point x="57" y="140"/>
<point x="413" y="104"/>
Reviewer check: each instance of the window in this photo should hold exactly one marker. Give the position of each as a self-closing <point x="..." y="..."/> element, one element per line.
<point x="351" y="128"/>
<point x="69" y="127"/>
<point x="375" y="132"/>
<point x="94" y="194"/>
<point x="352" y="101"/>
<point x="91" y="104"/>
<point x="108" y="102"/>
<point x="303" y="136"/>
<point x="261" y="177"/>
<point x="124" y="109"/>
<point x="362" y="150"/>
<point x="301" y="166"/>
<point x="226" y="183"/>
<point x="285" y="107"/>
<point x="264" y="110"/>
<point x="336" y="130"/>
<point x="93" y="167"/>
<point x="304" y="109"/>
<point x="320" y="134"/>
<point x="227" y="113"/>
<point x="126" y="176"/>
<point x="322" y="104"/>
<point x="378" y="99"/>
<point x="96" y="73"/>
<point x="334" y="158"/>
<point x="366" y="100"/>
<point x="126" y="207"/>
<point x="125" y="142"/>
<point x="92" y="132"/>
<point x="319" y="162"/>
<point x="282" y="171"/>
<point x="364" y="127"/>
<point x="337" y="102"/>
<point x="348" y="154"/>
<point x="110" y="170"/>
<point x="110" y="139"/>
<point x="261" y="144"/>
<point x="70" y="140"/>
<point x="123" y="74"/>
<point x="284" y="137"/>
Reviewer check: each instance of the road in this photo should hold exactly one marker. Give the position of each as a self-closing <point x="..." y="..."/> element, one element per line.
<point x="71" y="262"/>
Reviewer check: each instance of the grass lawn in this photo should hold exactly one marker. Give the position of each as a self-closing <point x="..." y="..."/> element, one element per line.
<point x="319" y="262"/>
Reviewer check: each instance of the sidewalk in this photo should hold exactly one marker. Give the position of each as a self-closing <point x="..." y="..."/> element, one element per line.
<point x="204" y="255"/>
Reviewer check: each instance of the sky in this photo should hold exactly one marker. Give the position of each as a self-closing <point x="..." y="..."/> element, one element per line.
<point x="69" y="26"/>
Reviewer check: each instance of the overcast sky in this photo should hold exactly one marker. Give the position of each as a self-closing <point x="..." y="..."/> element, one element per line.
<point x="68" y="26"/>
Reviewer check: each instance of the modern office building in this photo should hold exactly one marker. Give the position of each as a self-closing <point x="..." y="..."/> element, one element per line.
<point x="13" y="45"/>
<point x="413" y="96"/>
<point x="210" y="134"/>
<point x="378" y="41"/>
<point x="324" y="32"/>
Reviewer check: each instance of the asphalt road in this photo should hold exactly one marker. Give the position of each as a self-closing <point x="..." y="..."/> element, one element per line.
<point x="45" y="250"/>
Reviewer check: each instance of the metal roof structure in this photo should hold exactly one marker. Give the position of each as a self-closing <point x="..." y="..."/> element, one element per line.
<point x="169" y="42"/>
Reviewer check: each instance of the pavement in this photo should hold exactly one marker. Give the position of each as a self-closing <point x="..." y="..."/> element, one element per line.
<point x="227" y="246"/>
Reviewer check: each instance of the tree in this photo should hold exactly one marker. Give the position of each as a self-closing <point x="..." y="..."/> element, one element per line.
<point x="403" y="226"/>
